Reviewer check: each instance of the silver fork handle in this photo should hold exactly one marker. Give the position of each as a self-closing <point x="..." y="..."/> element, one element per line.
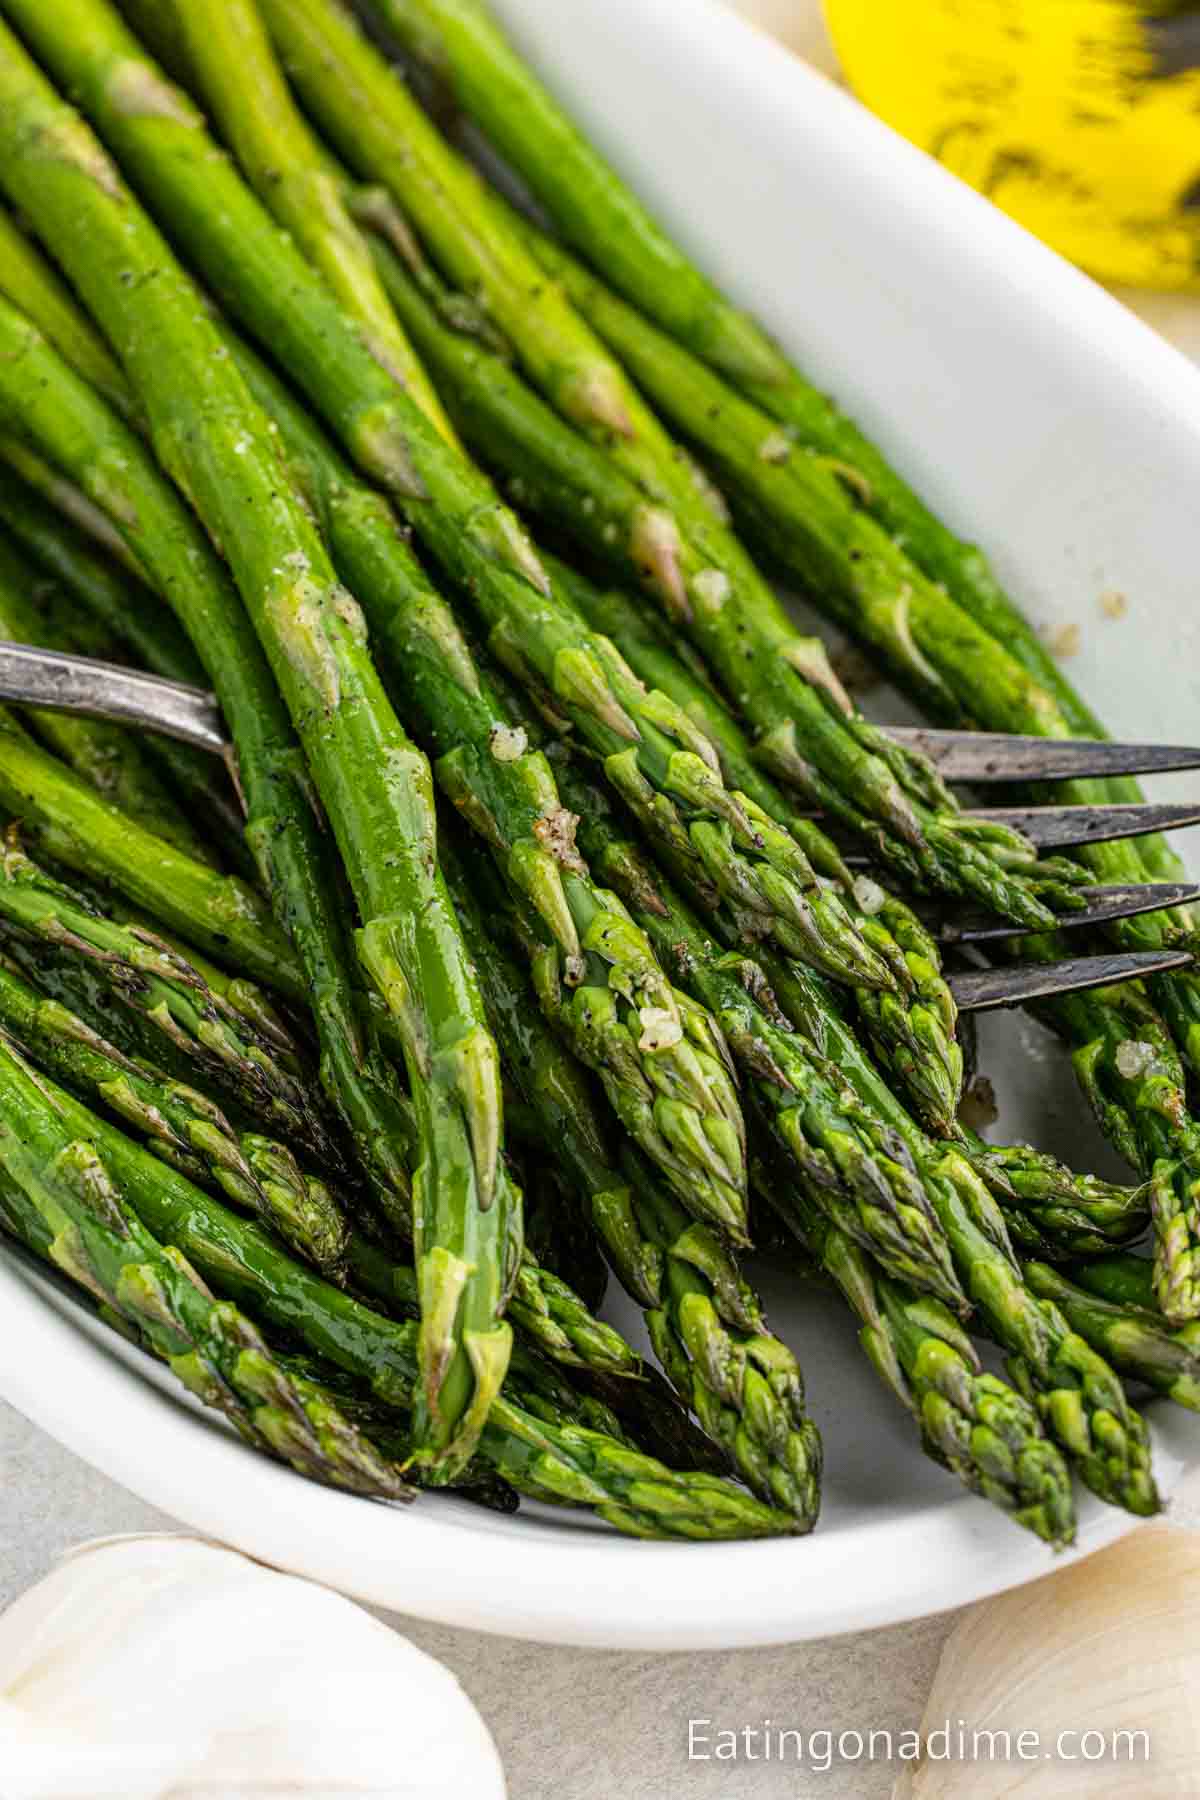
<point x="83" y="684"/>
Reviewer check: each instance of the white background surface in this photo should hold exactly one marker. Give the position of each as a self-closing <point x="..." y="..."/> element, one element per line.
<point x="572" y="1724"/>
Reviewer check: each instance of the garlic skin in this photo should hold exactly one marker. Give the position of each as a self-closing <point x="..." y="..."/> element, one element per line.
<point x="152" y="1667"/>
<point x="1110" y="1644"/>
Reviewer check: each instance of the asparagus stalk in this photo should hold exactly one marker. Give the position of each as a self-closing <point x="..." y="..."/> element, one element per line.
<point x="970" y="1421"/>
<point x="732" y="614"/>
<point x="32" y="286"/>
<point x="911" y="1026"/>
<point x="1051" y="1211"/>
<point x="373" y="783"/>
<point x="547" y="1312"/>
<point x="603" y="218"/>
<point x="73" y="426"/>
<point x="231" y="59"/>
<point x="1133" y="1077"/>
<point x="565" y="1461"/>
<point x="1134" y="1338"/>
<point x="705" y="1321"/>
<point x="554" y="471"/>
<point x="78" y="828"/>
<point x="65" y="497"/>
<point x="597" y="211"/>
<point x="213" y="1033"/>
<point x="1078" y="1213"/>
<point x="807" y="519"/>
<point x="761" y="873"/>
<point x="238" y="1043"/>
<point x="117" y="620"/>
<point x="214" y="1349"/>
<point x="856" y="1166"/>
<point x="1077" y="1395"/>
<point x="181" y="1124"/>
<point x="108" y="757"/>
<point x="558" y="1226"/>
<point x="385" y="1428"/>
<point x="651" y="749"/>
<point x="1124" y="1277"/>
<point x="460" y="41"/>
<point x="662" y="1063"/>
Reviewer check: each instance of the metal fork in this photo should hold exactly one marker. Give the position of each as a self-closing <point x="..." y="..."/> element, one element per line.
<point x="50" y="678"/>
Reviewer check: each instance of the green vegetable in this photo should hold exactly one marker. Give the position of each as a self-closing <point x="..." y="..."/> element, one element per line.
<point x="230" y="56"/>
<point x="705" y="1320"/>
<point x="373" y="784"/>
<point x="97" y="1238"/>
<point x="970" y="1421"/>
<point x="557" y="1460"/>
<point x="597" y="972"/>
<point x="1135" y="1338"/>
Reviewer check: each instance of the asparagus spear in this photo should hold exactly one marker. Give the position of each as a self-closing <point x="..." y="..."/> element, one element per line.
<point x="572" y="1464"/>
<point x="231" y="58"/>
<point x="181" y="1124"/>
<point x="319" y="1383"/>
<point x="213" y="1348"/>
<point x="373" y="783"/>
<point x="29" y="282"/>
<point x="460" y="41"/>
<point x="808" y="521"/>
<point x="970" y="1421"/>
<point x="1077" y="1395"/>
<point x="243" y="1047"/>
<point x="1051" y="1211"/>
<point x="1081" y="1024"/>
<point x="477" y="542"/>
<point x="558" y="1226"/>
<point x="1134" y="1338"/>
<point x="108" y="757"/>
<point x="78" y="828"/>
<point x="1131" y="1072"/>
<point x="65" y="497"/>
<point x="651" y="749"/>
<point x="732" y="614"/>
<point x="600" y="214"/>
<point x="73" y="426"/>
<point x="548" y="1313"/>
<point x="223" y="1035"/>
<point x="117" y="620"/>
<point x="910" y="1027"/>
<point x="512" y="795"/>
<point x="705" y="1321"/>
<point x="857" y="1167"/>
<point x="1124" y="1277"/>
<point x="761" y="873"/>
<point x="662" y="1063"/>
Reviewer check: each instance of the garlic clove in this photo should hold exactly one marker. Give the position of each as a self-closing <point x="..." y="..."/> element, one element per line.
<point x="146" y="1667"/>
<point x="1106" y="1646"/>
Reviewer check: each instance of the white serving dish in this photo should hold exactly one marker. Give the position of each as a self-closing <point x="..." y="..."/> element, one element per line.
<point x="1030" y="407"/>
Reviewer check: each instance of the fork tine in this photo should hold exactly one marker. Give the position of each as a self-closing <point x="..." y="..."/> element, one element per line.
<point x="1104" y="904"/>
<point x="984" y="756"/>
<point x="32" y="676"/>
<point x="982" y="990"/>
<point x="1062" y="827"/>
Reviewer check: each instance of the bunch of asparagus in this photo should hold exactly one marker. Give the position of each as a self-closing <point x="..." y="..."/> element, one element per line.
<point x="512" y="880"/>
